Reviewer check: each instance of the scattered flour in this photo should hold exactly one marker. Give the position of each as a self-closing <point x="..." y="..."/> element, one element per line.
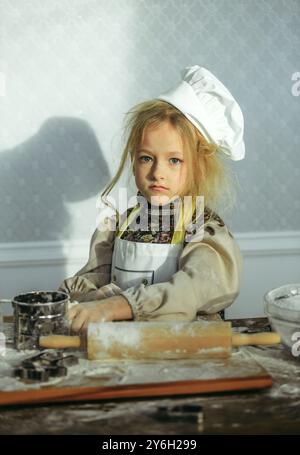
<point x="88" y="372"/>
<point x="282" y="368"/>
<point x="107" y="334"/>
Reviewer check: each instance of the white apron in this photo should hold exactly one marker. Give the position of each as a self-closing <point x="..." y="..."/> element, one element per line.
<point x="135" y="263"/>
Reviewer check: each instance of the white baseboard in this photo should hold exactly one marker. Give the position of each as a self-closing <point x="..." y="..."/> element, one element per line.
<point x="270" y="260"/>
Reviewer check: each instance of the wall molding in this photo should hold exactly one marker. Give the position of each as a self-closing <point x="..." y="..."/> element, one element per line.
<point x="28" y="254"/>
<point x="269" y="243"/>
<point x="22" y="254"/>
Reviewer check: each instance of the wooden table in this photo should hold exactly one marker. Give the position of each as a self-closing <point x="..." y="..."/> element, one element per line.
<point x="270" y="411"/>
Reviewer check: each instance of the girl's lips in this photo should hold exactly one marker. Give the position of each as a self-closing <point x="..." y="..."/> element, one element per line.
<point x="158" y="188"/>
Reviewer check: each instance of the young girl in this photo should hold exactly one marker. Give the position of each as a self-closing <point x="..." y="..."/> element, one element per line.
<point x="176" y="148"/>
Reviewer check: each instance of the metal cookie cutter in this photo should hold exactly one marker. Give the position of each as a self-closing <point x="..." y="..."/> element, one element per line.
<point x="41" y="367"/>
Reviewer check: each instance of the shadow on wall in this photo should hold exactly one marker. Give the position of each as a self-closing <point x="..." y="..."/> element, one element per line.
<point x="61" y="163"/>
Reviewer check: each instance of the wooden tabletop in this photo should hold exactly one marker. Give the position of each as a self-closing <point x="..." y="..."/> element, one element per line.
<point x="270" y="411"/>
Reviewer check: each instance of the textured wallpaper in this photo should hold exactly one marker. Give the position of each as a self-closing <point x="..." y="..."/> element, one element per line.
<point x="69" y="70"/>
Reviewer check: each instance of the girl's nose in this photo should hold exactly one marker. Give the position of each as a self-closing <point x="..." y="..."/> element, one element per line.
<point x="157" y="170"/>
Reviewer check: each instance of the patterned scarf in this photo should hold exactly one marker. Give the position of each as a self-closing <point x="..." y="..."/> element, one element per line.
<point x="157" y="222"/>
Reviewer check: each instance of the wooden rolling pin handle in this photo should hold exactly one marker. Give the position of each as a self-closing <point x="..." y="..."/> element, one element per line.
<point x="60" y="341"/>
<point x="264" y="338"/>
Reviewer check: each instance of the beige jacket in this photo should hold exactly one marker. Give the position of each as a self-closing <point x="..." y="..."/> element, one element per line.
<point x="207" y="281"/>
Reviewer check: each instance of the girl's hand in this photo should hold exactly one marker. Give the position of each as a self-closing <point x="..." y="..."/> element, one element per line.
<point x="112" y="309"/>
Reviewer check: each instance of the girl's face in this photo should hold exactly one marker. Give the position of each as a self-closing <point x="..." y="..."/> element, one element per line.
<point x="160" y="168"/>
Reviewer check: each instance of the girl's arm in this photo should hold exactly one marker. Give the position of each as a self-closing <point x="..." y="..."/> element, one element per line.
<point x="96" y="273"/>
<point x="208" y="280"/>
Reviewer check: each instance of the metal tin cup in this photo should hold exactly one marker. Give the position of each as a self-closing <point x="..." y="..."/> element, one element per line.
<point x="39" y="313"/>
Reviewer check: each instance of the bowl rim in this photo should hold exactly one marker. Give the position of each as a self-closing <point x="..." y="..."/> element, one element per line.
<point x="272" y="310"/>
<point x="280" y="287"/>
<point x="36" y="304"/>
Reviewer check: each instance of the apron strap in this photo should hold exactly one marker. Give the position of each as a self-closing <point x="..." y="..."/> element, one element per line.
<point x="127" y="221"/>
<point x="184" y="219"/>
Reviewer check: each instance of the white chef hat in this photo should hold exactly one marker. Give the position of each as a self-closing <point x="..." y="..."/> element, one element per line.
<point x="209" y="105"/>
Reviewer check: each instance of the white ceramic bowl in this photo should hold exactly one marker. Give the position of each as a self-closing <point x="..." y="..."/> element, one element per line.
<point x="282" y="306"/>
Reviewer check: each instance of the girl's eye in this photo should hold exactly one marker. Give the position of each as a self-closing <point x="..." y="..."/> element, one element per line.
<point x="144" y="158"/>
<point x="177" y="160"/>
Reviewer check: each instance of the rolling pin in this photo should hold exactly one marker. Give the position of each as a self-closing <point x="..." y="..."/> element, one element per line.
<point x="158" y="340"/>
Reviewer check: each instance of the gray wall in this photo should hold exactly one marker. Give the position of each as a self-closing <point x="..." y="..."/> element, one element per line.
<point x="73" y="68"/>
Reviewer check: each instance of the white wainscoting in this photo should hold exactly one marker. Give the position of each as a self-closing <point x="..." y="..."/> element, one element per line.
<point x="270" y="260"/>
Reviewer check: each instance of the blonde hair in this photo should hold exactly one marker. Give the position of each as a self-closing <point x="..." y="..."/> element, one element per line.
<point x="207" y="174"/>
